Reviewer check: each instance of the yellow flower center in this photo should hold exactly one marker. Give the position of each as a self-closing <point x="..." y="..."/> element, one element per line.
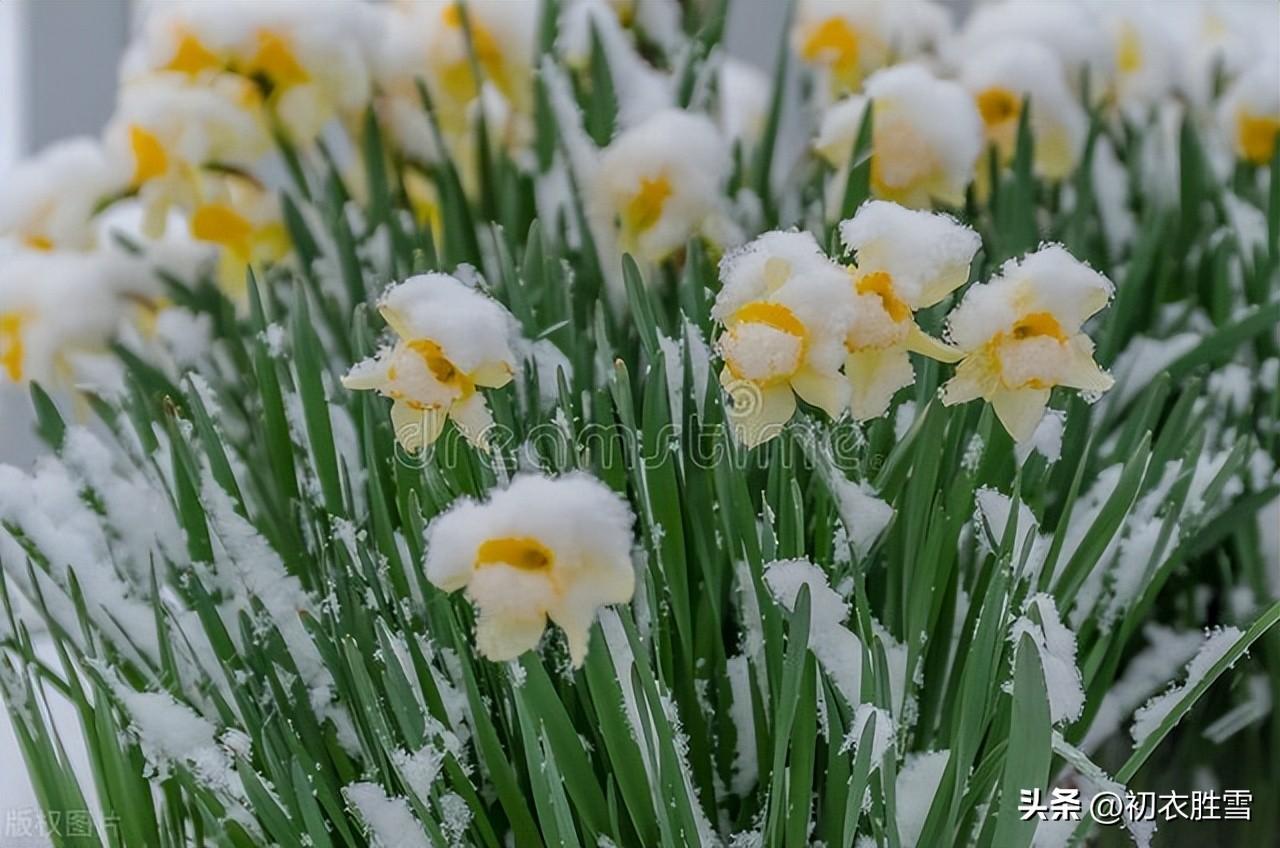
<point x="645" y="207"/>
<point x="998" y="105"/>
<point x="35" y="241"/>
<point x="836" y="42"/>
<point x="1129" y="51"/>
<point x="774" y="316"/>
<point x="1038" y="324"/>
<point x="149" y="157"/>
<point x="1257" y="136"/>
<point x="275" y="60"/>
<point x="220" y="224"/>
<point x="880" y="284"/>
<point x="191" y="57"/>
<point x="11" y="347"/>
<point x="440" y="365"/>
<point x="522" y="552"/>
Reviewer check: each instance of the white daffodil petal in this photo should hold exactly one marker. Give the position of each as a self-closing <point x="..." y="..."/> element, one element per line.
<point x="501" y="637"/>
<point x="473" y="418"/>
<point x="828" y="392"/>
<point x="1020" y="410"/>
<point x="759" y="413"/>
<point x="1081" y="371"/>
<point x="875" y="375"/>
<point x="491" y="375"/>
<point x="415" y="428"/>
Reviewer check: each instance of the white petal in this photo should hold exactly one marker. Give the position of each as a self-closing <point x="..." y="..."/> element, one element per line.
<point x="1020" y="410"/>
<point x="416" y="428"/>
<point x="828" y="392"/>
<point x="502" y="637"/>
<point x="473" y="418"/>
<point x="874" y="376"/>
<point x="759" y="413"/>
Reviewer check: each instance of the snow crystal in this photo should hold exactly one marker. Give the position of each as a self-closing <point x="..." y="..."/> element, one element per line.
<point x="914" y="792"/>
<point x="1046" y="440"/>
<point x="838" y="650"/>
<point x="1056" y="645"/>
<point x="1153" y="712"/>
<point x="391" y="821"/>
<point x="746" y="765"/>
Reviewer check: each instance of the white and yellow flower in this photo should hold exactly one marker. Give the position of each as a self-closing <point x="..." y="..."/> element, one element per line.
<point x="1249" y="113"/>
<point x="847" y="40"/>
<point x="244" y="221"/>
<point x="306" y="64"/>
<point x="54" y="307"/>
<point x="1074" y="34"/>
<point x="428" y="41"/>
<point x="1000" y="77"/>
<point x="540" y="549"/>
<point x="167" y="134"/>
<point x="1021" y="336"/>
<point x="452" y="341"/>
<point x="926" y="138"/>
<point x="49" y="200"/>
<point x="1146" y="56"/>
<point x="659" y="184"/>
<point x="785" y="309"/>
<point x="906" y="260"/>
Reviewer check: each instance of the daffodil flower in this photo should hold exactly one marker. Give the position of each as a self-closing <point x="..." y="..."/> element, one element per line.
<point x="906" y="261"/>
<point x="166" y="133"/>
<point x="71" y="310"/>
<point x="244" y="221"/>
<point x="785" y="309"/>
<point x="1021" y="336"/>
<point x="660" y="183"/>
<point x="999" y="78"/>
<point x="452" y="341"/>
<point x="49" y="200"/>
<point x="849" y="39"/>
<point x="926" y="138"/>
<point x="1250" y="112"/>
<point x="543" y="548"/>
<point x="303" y="67"/>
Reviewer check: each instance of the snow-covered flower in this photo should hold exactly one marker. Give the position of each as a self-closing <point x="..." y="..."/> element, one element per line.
<point x="557" y="548"/>
<point x="660" y="183"/>
<point x="307" y="63"/>
<point x="907" y="260"/>
<point x="847" y="40"/>
<point x="1250" y="112"/>
<point x="49" y="200"/>
<point x="1021" y="335"/>
<point x="1145" y="52"/>
<point x="452" y="341"/>
<point x="427" y="41"/>
<point x="169" y="136"/>
<point x="1069" y="29"/>
<point x="1215" y="39"/>
<point x="1000" y="77"/>
<point x="55" y="305"/>
<point x="926" y="138"/>
<point x="785" y="308"/>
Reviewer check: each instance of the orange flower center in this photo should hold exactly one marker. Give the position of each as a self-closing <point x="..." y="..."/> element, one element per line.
<point x="998" y="105"/>
<point x="149" y="157"/>
<point x="11" y="347"/>
<point x="1038" y="324"/>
